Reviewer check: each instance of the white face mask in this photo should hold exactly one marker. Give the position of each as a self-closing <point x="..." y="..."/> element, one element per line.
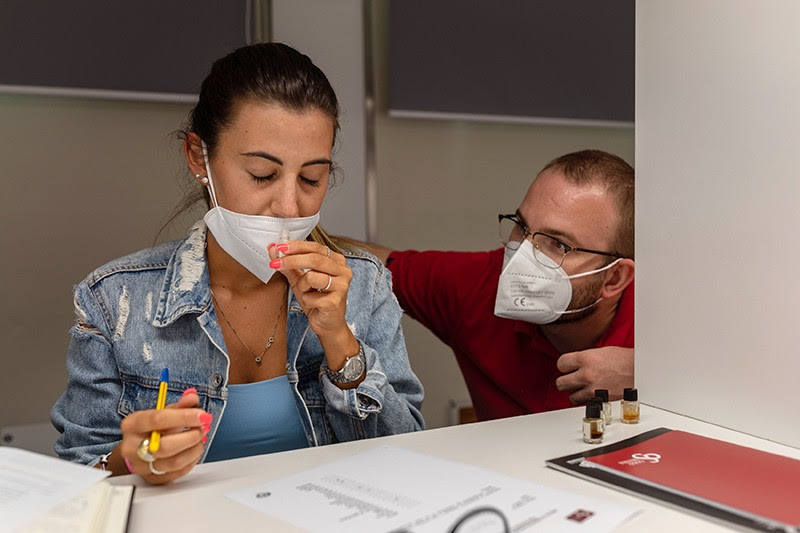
<point x="532" y="292"/>
<point x="246" y="237"/>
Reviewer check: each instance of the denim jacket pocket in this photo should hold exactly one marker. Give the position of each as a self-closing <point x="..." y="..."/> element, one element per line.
<point x="141" y="394"/>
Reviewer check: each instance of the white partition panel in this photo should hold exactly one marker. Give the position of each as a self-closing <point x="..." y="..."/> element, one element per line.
<point x="718" y="211"/>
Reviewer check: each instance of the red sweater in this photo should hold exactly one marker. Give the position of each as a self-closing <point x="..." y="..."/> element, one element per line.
<point x="508" y="365"/>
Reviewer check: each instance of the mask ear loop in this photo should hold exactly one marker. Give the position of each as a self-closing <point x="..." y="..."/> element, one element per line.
<point x="208" y="173"/>
<point x="588" y="274"/>
<point x="582" y="274"/>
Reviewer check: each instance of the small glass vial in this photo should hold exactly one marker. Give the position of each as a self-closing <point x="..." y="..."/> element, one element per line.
<point x="593" y="425"/>
<point x="630" y="406"/>
<point x="603" y="395"/>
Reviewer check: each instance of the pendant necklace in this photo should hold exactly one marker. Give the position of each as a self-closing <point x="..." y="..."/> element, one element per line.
<point x="271" y="339"/>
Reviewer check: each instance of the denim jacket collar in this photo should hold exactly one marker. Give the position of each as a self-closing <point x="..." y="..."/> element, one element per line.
<point x="186" y="284"/>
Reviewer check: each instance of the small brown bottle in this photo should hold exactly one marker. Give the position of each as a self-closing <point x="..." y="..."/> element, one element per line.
<point x="593" y="425"/>
<point x="603" y="395"/>
<point x="630" y="406"/>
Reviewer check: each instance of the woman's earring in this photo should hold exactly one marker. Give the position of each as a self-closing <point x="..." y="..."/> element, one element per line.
<point x="204" y="180"/>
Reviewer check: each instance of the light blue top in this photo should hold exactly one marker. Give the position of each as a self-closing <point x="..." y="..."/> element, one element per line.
<point x="260" y="417"/>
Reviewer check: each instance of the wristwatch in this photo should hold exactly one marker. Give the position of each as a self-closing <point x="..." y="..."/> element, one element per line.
<point x="352" y="370"/>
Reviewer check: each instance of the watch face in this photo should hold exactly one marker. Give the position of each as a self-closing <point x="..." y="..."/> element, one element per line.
<point x="353" y="368"/>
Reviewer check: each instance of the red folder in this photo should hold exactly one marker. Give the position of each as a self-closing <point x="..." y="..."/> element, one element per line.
<point x="736" y="483"/>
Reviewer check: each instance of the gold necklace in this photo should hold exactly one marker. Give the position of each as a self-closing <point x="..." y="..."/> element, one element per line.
<point x="274" y="328"/>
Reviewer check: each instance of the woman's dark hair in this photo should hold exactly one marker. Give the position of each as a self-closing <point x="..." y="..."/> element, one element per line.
<point x="271" y="73"/>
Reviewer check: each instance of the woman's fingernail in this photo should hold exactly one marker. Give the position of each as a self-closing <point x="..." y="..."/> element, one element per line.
<point x="190" y="390"/>
<point x="205" y="438"/>
<point x="270" y="245"/>
<point x="283" y="247"/>
<point x="128" y="465"/>
<point x="275" y="263"/>
<point x="205" y="418"/>
<point x="206" y="428"/>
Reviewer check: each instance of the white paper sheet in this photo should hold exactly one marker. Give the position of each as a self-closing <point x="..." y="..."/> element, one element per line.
<point x="32" y="484"/>
<point x="388" y="489"/>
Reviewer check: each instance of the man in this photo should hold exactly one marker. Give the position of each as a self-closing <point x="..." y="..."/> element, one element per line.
<point x="542" y="322"/>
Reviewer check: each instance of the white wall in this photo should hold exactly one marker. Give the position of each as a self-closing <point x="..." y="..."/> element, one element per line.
<point x="717" y="136"/>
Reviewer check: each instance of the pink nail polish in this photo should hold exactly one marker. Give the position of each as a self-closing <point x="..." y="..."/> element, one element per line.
<point x="190" y="390"/>
<point x="275" y="263"/>
<point x="206" y="428"/>
<point x="283" y="247"/>
<point x="128" y="465"/>
<point x="205" y="438"/>
<point x="270" y="245"/>
<point x="205" y="418"/>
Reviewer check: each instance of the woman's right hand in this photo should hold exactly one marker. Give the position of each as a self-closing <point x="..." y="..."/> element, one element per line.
<point x="183" y="430"/>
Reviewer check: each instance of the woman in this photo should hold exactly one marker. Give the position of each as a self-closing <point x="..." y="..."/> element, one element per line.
<point x="249" y="313"/>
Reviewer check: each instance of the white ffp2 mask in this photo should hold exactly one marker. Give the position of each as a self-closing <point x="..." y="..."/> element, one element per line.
<point x="246" y="237"/>
<point x="530" y="291"/>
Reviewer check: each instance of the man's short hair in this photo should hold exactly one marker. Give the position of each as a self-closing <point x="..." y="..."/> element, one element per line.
<point x="595" y="167"/>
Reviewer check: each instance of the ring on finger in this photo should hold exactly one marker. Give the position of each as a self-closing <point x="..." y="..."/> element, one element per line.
<point x="329" y="252"/>
<point x="328" y="286"/>
<point x="143" y="451"/>
<point x="153" y="470"/>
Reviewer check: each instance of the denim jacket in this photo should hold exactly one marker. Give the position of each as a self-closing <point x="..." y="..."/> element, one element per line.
<point x="152" y="309"/>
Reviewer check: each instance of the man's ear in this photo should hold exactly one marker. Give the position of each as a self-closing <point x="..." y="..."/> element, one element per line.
<point x="193" y="152"/>
<point x="618" y="278"/>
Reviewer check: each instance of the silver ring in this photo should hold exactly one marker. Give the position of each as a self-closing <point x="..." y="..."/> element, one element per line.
<point x="328" y="286"/>
<point x="329" y="252"/>
<point x="143" y="451"/>
<point x="155" y="471"/>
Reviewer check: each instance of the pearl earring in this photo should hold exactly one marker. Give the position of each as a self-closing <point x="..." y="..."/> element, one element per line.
<point x="204" y="181"/>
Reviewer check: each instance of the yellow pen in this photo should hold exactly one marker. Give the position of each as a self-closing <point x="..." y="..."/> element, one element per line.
<point x="155" y="436"/>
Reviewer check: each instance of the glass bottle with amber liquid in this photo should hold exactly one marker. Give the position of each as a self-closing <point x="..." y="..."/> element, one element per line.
<point x="630" y="406"/>
<point x="593" y="423"/>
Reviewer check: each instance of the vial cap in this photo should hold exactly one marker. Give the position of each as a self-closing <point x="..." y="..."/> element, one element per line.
<point x="630" y="395"/>
<point x="602" y="394"/>
<point x="592" y="410"/>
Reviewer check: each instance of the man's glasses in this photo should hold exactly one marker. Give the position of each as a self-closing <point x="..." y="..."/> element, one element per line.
<point x="549" y="251"/>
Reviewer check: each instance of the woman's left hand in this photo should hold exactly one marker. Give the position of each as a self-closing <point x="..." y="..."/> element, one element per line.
<point x="320" y="279"/>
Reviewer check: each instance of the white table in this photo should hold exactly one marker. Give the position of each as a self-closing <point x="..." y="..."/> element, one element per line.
<point x="514" y="446"/>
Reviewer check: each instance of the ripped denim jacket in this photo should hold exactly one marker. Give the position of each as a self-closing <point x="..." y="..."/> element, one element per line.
<point x="152" y="309"/>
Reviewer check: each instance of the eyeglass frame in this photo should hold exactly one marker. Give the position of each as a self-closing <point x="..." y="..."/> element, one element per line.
<point x="516" y="218"/>
<point x="463" y="519"/>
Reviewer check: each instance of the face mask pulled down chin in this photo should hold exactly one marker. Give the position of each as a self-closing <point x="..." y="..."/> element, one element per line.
<point x="246" y="237"/>
<point x="532" y="292"/>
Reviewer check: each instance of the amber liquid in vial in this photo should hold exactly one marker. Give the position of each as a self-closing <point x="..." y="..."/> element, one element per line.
<point x="630" y="412"/>
<point x="593" y="430"/>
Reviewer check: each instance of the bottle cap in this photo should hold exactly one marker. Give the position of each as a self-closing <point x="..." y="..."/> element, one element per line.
<point x="592" y="409"/>
<point x="630" y="395"/>
<point x="602" y="394"/>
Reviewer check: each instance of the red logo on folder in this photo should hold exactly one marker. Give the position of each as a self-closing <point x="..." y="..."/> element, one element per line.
<point x="639" y="458"/>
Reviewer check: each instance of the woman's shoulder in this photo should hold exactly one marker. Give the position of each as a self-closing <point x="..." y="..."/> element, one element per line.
<point x="154" y="258"/>
<point x="362" y="261"/>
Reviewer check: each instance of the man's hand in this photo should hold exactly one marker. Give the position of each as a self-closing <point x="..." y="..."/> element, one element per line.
<point x="610" y="367"/>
